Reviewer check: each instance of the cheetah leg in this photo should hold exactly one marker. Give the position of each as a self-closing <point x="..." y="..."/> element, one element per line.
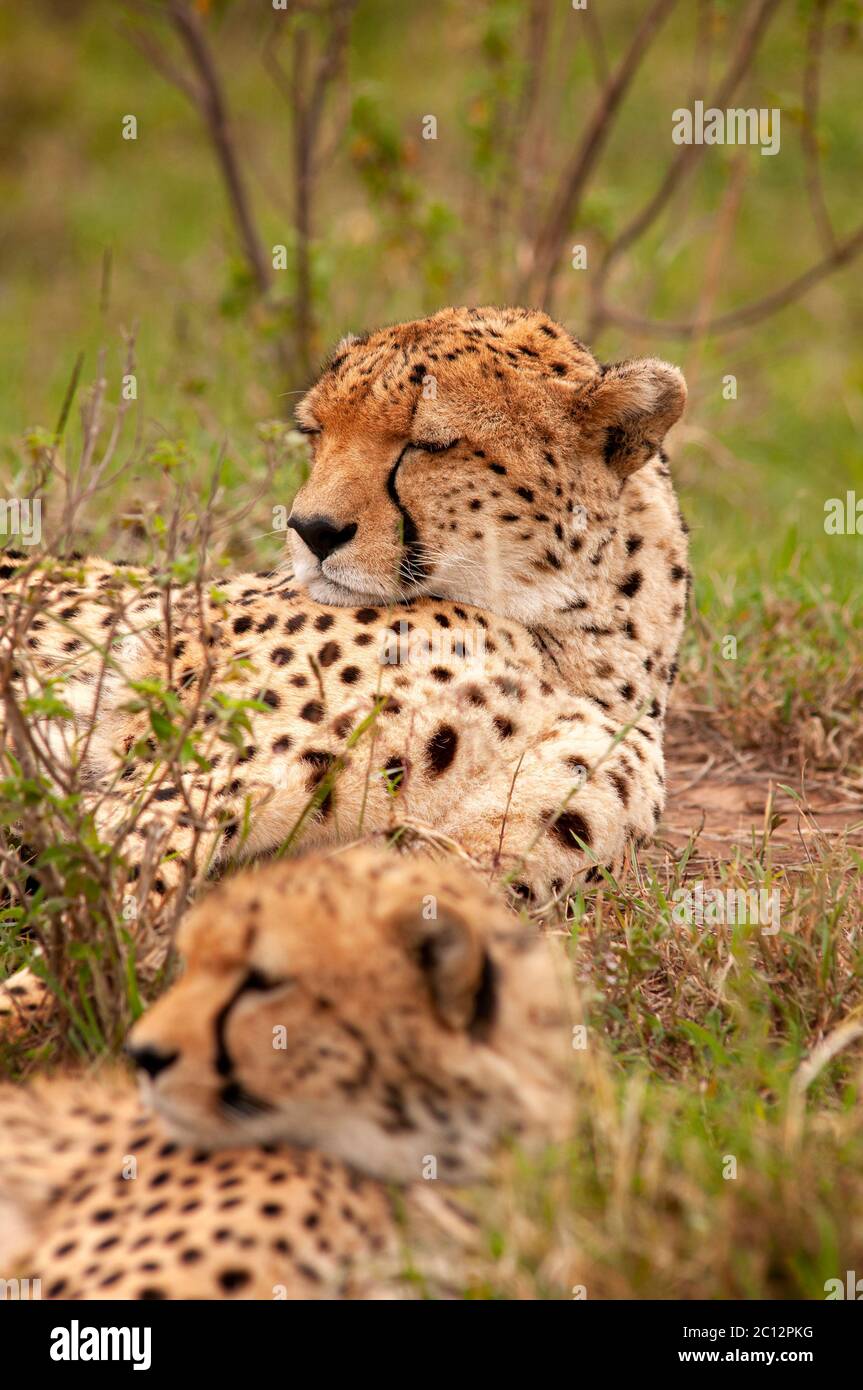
<point x="576" y="803"/>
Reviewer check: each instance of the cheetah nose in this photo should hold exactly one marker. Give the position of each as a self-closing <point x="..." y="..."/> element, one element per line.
<point x="321" y="535"/>
<point x="150" y="1059"/>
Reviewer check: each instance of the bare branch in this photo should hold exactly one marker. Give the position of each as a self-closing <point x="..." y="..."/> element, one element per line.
<point x="159" y="60"/>
<point x="214" y="110"/>
<point x="844" y="252"/>
<point x="332" y="59"/>
<point x="306" y="97"/>
<point x="703" y="46"/>
<point x="596" y="43"/>
<point x="760" y="14"/>
<point x="272" y="63"/>
<point x="207" y="96"/>
<point x="518" y="166"/>
<point x="303" y="135"/>
<point x="565" y="204"/>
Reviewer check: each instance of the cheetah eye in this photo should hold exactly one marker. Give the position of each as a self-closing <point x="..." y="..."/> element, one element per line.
<point x="432" y="448"/>
<point x="257" y="980"/>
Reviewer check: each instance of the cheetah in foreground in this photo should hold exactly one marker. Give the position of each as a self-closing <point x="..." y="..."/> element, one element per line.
<point x="477" y="634"/>
<point x="353" y="1022"/>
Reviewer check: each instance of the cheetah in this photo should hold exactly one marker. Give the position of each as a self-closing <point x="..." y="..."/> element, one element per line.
<point x="350" y="1033"/>
<point x="477" y="630"/>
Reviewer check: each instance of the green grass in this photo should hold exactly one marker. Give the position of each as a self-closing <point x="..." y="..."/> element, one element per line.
<point x="695" y="1038"/>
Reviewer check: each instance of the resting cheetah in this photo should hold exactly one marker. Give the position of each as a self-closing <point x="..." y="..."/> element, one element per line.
<point x="479" y="632"/>
<point x="383" y="1013"/>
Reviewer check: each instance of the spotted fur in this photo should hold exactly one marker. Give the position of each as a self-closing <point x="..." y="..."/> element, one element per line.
<point x="477" y="477"/>
<point x="342" y="1025"/>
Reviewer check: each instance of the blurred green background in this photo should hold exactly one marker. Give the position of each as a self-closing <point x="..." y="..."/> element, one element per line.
<point x="100" y="233"/>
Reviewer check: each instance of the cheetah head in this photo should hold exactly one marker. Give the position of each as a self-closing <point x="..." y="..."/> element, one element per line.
<point x="464" y="456"/>
<point x="385" y="1010"/>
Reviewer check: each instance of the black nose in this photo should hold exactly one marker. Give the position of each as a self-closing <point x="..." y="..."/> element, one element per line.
<point x="321" y="535"/>
<point x="150" y="1059"/>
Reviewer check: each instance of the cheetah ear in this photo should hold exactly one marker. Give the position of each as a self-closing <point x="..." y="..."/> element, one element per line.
<point x="337" y="354"/>
<point x="458" y="971"/>
<point x="629" y="409"/>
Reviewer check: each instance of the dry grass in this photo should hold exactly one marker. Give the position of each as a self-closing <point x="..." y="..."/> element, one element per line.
<point x="795" y="688"/>
<point x="718" y="1151"/>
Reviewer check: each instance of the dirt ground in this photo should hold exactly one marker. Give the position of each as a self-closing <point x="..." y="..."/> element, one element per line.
<point x="728" y="798"/>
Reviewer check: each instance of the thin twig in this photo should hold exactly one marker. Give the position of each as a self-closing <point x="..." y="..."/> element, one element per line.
<point x="306" y="97"/>
<point x="760" y="14"/>
<point x="744" y="317"/>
